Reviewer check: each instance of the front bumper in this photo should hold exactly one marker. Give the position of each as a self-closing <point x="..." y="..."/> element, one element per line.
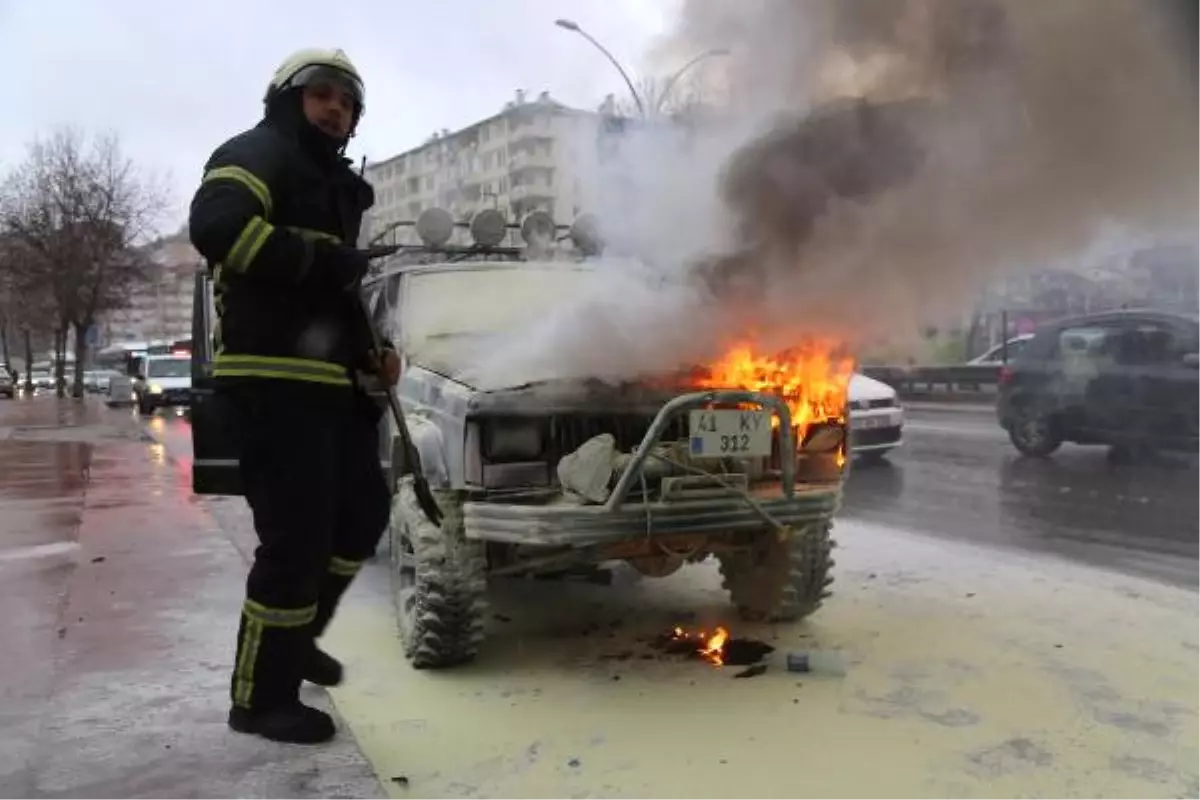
<point x="566" y="522"/>
<point x="168" y="397"/>
<point x="579" y="525"/>
<point x="876" y="430"/>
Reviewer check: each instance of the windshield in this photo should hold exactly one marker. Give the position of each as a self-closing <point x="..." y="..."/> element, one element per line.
<point x="169" y="367"/>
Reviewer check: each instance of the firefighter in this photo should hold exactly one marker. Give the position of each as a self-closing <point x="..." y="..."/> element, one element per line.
<point x="277" y="215"/>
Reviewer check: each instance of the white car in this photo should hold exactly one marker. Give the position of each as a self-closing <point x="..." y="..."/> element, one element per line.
<point x="876" y="418"/>
<point x="42" y="381"/>
<point x="165" y="381"/>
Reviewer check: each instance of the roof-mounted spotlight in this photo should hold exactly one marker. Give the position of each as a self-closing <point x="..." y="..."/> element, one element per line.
<point x="538" y="230"/>
<point x="435" y="226"/>
<point x="488" y="227"/>
<point x="585" y="234"/>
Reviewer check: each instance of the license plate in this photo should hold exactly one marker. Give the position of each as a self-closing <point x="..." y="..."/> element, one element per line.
<point x="869" y="423"/>
<point x="729" y="432"/>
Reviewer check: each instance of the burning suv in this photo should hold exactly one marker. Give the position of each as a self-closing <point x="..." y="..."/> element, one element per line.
<point x="743" y="460"/>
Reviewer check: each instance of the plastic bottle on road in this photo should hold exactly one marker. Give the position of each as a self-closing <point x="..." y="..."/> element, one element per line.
<point x="820" y="662"/>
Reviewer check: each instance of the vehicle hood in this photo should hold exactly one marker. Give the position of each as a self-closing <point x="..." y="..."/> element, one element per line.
<point x="863" y="388"/>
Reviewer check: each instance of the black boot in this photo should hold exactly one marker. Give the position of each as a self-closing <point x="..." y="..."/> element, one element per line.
<point x="322" y="668"/>
<point x="294" y="723"/>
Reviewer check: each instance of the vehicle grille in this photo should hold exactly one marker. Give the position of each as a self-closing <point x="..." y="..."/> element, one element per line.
<point x="864" y="405"/>
<point x="569" y="431"/>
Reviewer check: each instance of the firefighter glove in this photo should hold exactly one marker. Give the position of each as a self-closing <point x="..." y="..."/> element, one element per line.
<point x="339" y="266"/>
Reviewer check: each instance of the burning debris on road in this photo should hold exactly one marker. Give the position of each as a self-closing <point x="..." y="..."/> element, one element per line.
<point x="717" y="648"/>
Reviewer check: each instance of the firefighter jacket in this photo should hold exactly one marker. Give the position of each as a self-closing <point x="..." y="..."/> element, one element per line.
<point x="266" y="199"/>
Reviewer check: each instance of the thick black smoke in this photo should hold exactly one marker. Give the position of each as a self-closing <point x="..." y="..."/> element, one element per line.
<point x="915" y="148"/>
<point x="873" y="164"/>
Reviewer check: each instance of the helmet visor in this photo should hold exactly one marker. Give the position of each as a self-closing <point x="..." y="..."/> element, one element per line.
<point x="319" y="74"/>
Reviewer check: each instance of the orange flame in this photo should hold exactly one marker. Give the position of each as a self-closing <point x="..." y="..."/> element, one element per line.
<point x="811" y="378"/>
<point x="710" y="648"/>
<point x="714" y="647"/>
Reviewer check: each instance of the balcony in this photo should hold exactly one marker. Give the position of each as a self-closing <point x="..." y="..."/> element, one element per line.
<point x="531" y="191"/>
<point x="533" y="129"/>
<point x="524" y="160"/>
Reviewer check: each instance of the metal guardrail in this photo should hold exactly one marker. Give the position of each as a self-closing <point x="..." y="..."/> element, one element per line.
<point x="962" y="382"/>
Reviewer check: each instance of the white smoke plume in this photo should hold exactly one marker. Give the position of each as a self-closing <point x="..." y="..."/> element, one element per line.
<point x="874" y="163"/>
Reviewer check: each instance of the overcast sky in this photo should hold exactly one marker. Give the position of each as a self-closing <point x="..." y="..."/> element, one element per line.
<point x="175" y="79"/>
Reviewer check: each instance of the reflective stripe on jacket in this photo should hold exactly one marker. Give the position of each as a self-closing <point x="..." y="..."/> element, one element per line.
<point x="262" y="202"/>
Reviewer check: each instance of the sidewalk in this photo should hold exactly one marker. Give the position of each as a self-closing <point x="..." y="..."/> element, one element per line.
<point x="122" y="594"/>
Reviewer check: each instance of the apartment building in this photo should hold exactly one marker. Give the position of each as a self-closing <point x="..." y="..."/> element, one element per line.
<point x="531" y="156"/>
<point x="160" y="309"/>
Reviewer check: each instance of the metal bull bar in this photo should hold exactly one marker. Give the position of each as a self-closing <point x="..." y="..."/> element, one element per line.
<point x="687" y="401"/>
<point x="571" y="524"/>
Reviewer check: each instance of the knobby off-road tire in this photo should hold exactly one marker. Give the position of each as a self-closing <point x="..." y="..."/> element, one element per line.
<point x="439" y="581"/>
<point x="782" y="580"/>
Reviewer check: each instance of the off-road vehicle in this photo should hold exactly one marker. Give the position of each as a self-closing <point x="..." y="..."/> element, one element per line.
<point x="550" y="476"/>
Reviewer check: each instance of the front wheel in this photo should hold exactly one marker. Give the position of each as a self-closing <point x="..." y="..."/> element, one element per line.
<point x="439" y="581"/>
<point x="145" y="408"/>
<point x="1034" y="435"/>
<point x="783" y="578"/>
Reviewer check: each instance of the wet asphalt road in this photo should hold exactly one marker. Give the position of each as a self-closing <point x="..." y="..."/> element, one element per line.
<point x="969" y="671"/>
<point x="957" y="476"/>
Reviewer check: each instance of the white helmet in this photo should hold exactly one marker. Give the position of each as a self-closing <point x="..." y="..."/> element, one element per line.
<point x="316" y="64"/>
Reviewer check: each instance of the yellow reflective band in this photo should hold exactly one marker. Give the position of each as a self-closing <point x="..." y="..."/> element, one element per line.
<point x="246" y="178"/>
<point x="257" y="618"/>
<point x="279" y="617"/>
<point x="251" y="240"/>
<point x="243" y="674"/>
<point x="245" y="366"/>
<point x="344" y="567"/>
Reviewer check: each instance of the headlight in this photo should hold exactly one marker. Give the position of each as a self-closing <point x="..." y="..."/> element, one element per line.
<point x="512" y="440"/>
<point x="155" y="389"/>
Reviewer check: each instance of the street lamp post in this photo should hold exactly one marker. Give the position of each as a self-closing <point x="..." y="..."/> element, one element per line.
<point x="570" y="25"/>
<point x="671" y="81"/>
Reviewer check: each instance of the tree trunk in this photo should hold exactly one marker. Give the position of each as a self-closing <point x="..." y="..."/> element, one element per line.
<point x="4" y="344"/>
<point x="28" y="363"/>
<point x="974" y="330"/>
<point x="80" y="359"/>
<point x="60" y="359"/>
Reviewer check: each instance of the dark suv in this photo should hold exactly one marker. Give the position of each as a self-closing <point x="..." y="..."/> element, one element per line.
<point x="1124" y="378"/>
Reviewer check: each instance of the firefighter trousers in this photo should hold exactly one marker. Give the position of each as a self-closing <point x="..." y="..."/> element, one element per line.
<point x="311" y="473"/>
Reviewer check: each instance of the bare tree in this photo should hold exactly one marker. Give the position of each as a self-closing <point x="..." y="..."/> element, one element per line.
<point x="79" y="210"/>
<point x="674" y="97"/>
<point x="26" y="307"/>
